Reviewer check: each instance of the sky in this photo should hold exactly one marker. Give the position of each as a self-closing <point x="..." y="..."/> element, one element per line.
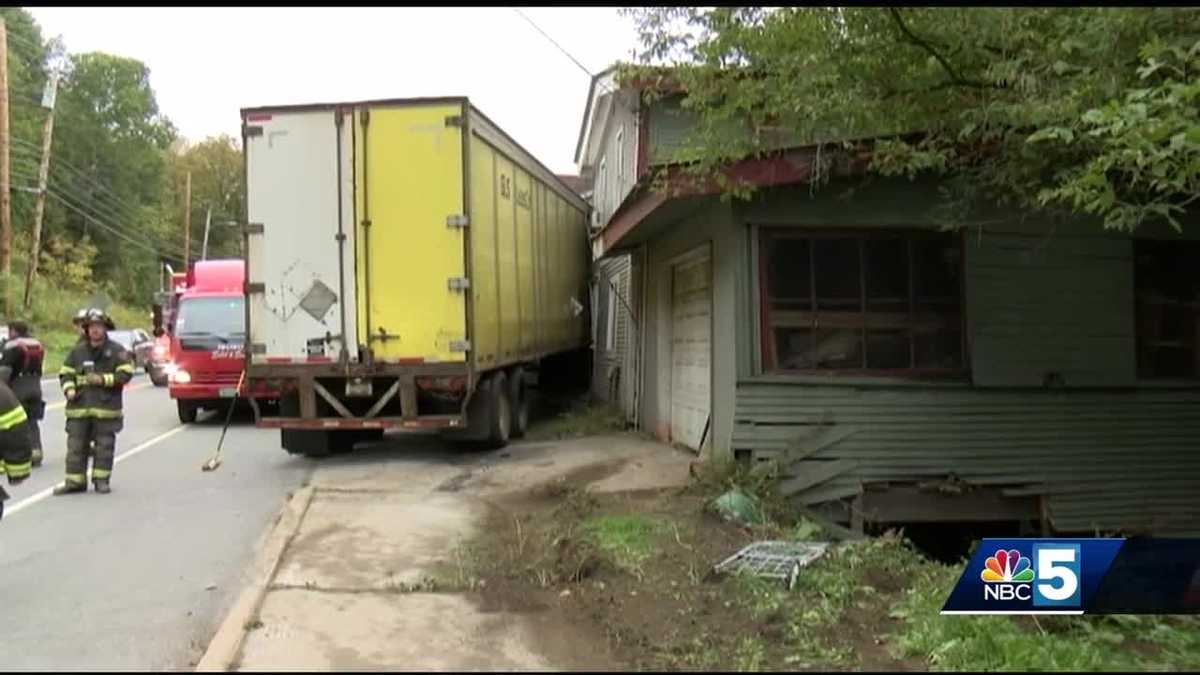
<point x="207" y="63"/>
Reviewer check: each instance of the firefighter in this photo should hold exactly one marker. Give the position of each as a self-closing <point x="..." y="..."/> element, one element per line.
<point x="92" y="379"/>
<point x="14" y="441"/>
<point x="21" y="369"/>
<point x="78" y="321"/>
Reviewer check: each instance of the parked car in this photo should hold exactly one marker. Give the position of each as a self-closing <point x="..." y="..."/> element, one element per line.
<point x="160" y="365"/>
<point x="138" y="342"/>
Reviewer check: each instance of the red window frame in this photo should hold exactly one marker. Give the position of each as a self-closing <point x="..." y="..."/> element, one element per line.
<point x="768" y="235"/>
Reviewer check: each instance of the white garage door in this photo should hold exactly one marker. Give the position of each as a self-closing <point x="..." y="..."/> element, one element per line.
<point x="691" y="350"/>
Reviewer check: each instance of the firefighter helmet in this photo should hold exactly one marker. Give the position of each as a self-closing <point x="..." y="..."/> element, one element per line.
<point x="94" y="315"/>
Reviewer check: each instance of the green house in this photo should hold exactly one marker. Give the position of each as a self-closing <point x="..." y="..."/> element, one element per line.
<point x="893" y="371"/>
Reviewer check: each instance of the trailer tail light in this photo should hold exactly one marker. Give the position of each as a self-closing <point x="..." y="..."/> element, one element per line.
<point x="455" y="384"/>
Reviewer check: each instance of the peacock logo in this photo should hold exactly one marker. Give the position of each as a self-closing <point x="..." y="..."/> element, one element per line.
<point x="1007" y="567"/>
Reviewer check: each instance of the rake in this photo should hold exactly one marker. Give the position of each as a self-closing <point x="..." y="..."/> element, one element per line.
<point x="215" y="461"/>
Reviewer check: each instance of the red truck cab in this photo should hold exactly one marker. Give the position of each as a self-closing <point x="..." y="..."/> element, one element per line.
<point x="208" y="331"/>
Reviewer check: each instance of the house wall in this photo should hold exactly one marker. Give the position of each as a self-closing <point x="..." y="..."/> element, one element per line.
<point x="610" y="371"/>
<point x="1105" y="450"/>
<point x="710" y="223"/>
<point x="614" y="183"/>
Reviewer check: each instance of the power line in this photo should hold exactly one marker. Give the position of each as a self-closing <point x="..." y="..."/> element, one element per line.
<point x="62" y="200"/>
<point x="117" y="208"/>
<point x="552" y="41"/>
<point x="94" y="215"/>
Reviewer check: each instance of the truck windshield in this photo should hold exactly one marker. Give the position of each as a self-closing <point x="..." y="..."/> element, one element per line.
<point x="217" y="317"/>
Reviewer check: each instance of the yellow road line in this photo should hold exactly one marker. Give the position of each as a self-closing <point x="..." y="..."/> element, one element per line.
<point x="61" y="404"/>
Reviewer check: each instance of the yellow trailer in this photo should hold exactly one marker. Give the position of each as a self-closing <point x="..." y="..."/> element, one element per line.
<point x="408" y="265"/>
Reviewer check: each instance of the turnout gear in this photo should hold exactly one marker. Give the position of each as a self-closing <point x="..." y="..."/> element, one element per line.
<point x="14" y="442"/>
<point x="92" y="379"/>
<point x="21" y="361"/>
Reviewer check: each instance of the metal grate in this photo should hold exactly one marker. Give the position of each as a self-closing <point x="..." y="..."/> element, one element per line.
<point x="780" y="560"/>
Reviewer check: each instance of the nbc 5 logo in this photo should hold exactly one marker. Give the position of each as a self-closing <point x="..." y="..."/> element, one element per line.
<point x="1050" y="579"/>
<point x="1058" y="582"/>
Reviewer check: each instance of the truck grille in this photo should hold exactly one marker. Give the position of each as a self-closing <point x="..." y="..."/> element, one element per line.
<point x="216" y="378"/>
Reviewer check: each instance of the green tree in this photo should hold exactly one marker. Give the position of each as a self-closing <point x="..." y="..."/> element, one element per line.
<point x="109" y="145"/>
<point x="1064" y="109"/>
<point x="217" y="183"/>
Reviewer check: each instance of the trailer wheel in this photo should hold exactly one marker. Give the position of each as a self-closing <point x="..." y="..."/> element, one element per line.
<point x="500" y="411"/>
<point x="306" y="442"/>
<point x="519" y="397"/>
<point x="187" y="411"/>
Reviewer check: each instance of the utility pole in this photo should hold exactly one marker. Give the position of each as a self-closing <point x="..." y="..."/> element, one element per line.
<point x="43" y="176"/>
<point x="5" y="177"/>
<point x="187" y="221"/>
<point x="207" y="223"/>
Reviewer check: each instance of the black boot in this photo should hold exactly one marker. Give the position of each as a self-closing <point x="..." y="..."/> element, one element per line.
<point x="102" y="486"/>
<point x="36" y="460"/>
<point x="68" y="488"/>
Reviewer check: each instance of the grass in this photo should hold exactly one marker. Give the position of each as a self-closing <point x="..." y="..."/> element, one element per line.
<point x="1093" y="643"/>
<point x="629" y="539"/>
<point x="50" y="317"/>
<point x="583" y="421"/>
<point x="913" y="591"/>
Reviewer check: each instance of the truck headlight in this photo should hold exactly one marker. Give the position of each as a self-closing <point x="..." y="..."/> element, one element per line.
<point x="181" y="377"/>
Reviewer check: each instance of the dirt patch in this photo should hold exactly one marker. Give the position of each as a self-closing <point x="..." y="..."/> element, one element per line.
<point x="626" y="577"/>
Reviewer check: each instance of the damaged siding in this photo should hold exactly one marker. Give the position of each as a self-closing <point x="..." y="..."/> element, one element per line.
<point x="1042" y="305"/>
<point x="612" y="318"/>
<point x="1104" y="460"/>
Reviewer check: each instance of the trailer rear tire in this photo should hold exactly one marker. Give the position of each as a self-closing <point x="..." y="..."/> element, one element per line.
<point x="306" y="442"/>
<point x="187" y="411"/>
<point x="499" y="411"/>
<point x="519" y="398"/>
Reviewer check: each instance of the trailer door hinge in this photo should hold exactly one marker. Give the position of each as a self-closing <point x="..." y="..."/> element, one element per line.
<point x="456" y="220"/>
<point x="258" y="348"/>
<point x="255" y="287"/>
<point x="251" y="131"/>
<point x="460" y="345"/>
<point x="454" y="121"/>
<point x="254" y="228"/>
<point x="459" y="283"/>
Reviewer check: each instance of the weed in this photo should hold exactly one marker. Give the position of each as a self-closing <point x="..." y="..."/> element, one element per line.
<point x="586" y="421"/>
<point x="628" y="539"/>
<point x="1054" y="643"/>
<point x="750" y="655"/>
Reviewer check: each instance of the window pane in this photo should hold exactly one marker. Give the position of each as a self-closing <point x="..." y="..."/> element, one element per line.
<point x="838" y="275"/>
<point x="836" y="348"/>
<point x="939" y="350"/>
<point x="789" y="274"/>
<point x="937" y="262"/>
<point x="887" y="349"/>
<point x="1167" y="282"/>
<point x="887" y="275"/>
<point x="792" y="346"/>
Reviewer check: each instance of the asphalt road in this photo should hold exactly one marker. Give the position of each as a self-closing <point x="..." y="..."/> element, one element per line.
<point x="138" y="579"/>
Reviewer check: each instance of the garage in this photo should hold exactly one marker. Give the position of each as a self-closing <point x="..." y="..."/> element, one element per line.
<point x="691" y="347"/>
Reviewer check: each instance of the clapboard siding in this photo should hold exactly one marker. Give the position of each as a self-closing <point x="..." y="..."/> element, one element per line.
<point x="1103" y="459"/>
<point x="1042" y="305"/>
